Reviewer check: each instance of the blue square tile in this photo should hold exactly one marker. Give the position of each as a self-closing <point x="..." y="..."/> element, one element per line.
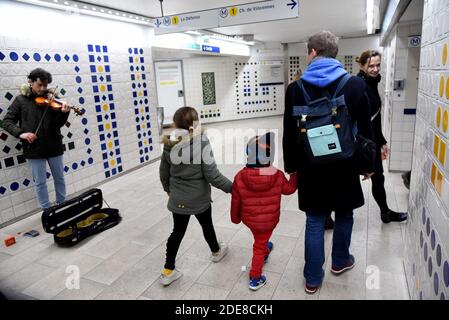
<point x="90" y="48"/>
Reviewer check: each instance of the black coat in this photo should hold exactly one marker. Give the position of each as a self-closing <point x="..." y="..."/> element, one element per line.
<point x="375" y="106"/>
<point x="24" y="115"/>
<point x="331" y="187"/>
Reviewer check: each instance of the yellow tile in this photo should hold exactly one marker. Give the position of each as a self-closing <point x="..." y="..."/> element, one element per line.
<point x="445" y="120"/>
<point x="439" y="116"/>
<point x="105" y="107"/>
<point x="434" y="173"/>
<point x="447" y="88"/>
<point x="112" y="162"/>
<point x="442" y="152"/>
<point x="445" y="54"/>
<point x="436" y="145"/>
<point x="441" y="86"/>
<point x="439" y="182"/>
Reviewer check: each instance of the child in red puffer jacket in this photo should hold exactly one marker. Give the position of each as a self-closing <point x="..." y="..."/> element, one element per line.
<point x="256" y="200"/>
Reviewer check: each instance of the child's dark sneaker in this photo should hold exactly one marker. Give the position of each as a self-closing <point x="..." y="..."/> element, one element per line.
<point x="257" y="283"/>
<point x="348" y="266"/>
<point x="270" y="248"/>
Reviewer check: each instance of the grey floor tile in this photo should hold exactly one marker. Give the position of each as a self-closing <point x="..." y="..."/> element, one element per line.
<point x="88" y="290"/>
<point x="333" y="291"/>
<point x="4" y="257"/>
<point x="291" y="284"/>
<point x="388" y="287"/>
<point x="130" y="285"/>
<point x="226" y="273"/>
<point x="191" y="269"/>
<point x="25" y="277"/>
<point x="53" y="284"/>
<point x="203" y="292"/>
<point x="112" y="268"/>
<point x="21" y="260"/>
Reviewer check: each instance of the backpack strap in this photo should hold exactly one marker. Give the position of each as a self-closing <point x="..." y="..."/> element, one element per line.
<point x="341" y="84"/>
<point x="306" y="95"/>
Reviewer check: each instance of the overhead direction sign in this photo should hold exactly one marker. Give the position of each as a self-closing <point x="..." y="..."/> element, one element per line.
<point x="258" y="12"/>
<point x="255" y="12"/>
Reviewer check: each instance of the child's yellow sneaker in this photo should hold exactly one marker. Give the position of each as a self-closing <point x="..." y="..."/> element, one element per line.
<point x="217" y="256"/>
<point x="168" y="276"/>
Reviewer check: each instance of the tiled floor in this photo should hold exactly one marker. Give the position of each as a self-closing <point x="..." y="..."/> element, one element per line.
<point x="125" y="261"/>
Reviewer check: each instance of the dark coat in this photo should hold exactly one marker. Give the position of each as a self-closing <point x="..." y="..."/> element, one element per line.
<point x="331" y="187"/>
<point x="375" y="105"/>
<point x="24" y="115"/>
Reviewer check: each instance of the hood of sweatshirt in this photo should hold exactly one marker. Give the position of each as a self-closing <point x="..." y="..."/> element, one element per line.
<point x="323" y="71"/>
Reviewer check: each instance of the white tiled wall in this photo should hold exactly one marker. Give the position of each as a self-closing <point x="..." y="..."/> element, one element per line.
<point x="232" y="77"/>
<point x="400" y="63"/>
<point x="427" y="237"/>
<point x="96" y="148"/>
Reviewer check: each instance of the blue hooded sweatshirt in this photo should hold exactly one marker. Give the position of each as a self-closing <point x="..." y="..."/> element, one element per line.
<point x="323" y="71"/>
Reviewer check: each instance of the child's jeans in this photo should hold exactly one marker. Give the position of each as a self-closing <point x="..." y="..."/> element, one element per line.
<point x="260" y="250"/>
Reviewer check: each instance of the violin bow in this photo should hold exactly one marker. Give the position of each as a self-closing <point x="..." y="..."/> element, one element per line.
<point x="46" y="109"/>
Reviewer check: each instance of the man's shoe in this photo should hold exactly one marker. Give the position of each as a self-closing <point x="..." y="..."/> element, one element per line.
<point x="348" y="266"/>
<point x="311" y="289"/>
<point x="393" y="216"/>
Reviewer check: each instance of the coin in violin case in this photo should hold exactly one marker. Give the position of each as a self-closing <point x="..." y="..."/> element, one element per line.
<point x="78" y="218"/>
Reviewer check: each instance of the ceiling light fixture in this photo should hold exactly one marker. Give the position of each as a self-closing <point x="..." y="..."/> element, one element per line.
<point x="85" y="8"/>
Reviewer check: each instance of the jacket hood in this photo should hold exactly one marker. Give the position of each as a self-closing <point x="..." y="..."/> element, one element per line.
<point x="259" y="179"/>
<point x="181" y="137"/>
<point x="323" y="71"/>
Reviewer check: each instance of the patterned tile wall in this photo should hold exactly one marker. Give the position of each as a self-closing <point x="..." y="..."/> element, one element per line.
<point x="239" y="95"/>
<point x="427" y="237"/>
<point x="114" y="84"/>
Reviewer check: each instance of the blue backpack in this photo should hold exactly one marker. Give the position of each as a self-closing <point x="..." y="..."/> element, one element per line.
<point x="325" y="126"/>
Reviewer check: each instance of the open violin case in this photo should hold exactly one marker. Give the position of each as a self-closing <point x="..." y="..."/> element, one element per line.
<point x="78" y="218"/>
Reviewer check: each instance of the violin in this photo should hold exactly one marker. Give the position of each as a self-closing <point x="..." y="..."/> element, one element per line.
<point x="56" y="104"/>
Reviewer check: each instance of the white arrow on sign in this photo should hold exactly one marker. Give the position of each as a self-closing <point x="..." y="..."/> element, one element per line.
<point x="261" y="11"/>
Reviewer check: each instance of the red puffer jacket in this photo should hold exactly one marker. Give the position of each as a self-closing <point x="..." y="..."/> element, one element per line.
<point x="256" y="197"/>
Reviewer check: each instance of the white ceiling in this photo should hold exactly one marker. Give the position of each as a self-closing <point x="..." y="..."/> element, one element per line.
<point x="414" y="11"/>
<point x="345" y="18"/>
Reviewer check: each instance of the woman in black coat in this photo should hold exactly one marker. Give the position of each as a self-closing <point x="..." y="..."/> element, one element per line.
<point x="369" y="63"/>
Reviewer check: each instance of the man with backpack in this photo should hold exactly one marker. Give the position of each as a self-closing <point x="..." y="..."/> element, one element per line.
<point x="323" y="113"/>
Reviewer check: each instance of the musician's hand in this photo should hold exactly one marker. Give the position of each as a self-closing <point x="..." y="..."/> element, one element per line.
<point x="65" y="107"/>
<point x="385" y="152"/>
<point x="28" y="136"/>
